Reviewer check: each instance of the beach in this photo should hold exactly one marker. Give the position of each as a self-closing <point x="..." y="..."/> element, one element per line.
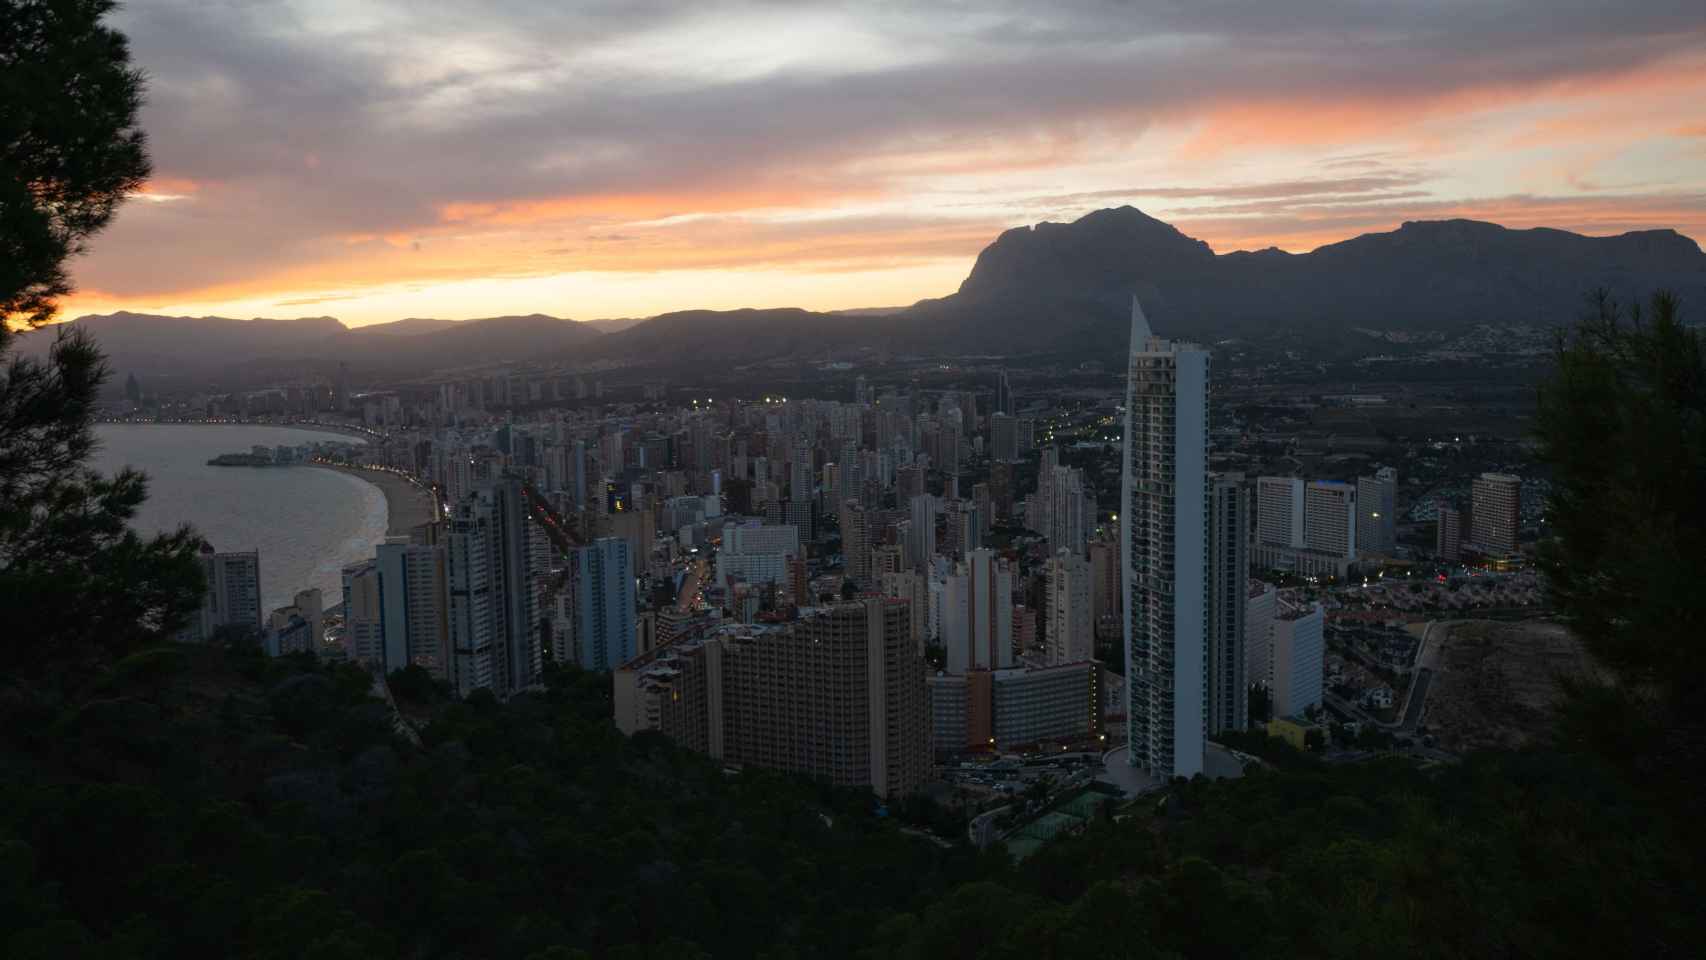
<point x="407" y="505"/>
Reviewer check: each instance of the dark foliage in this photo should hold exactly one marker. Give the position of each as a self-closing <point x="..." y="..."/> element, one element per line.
<point x="70" y="148"/>
<point x="1622" y="424"/>
<point x="210" y="802"/>
<point x="76" y="585"/>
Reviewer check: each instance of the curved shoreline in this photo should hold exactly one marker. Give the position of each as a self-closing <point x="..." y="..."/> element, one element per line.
<point x="312" y="426"/>
<point x="407" y="505"/>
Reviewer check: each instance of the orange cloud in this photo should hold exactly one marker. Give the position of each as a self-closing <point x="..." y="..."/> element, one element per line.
<point x="169" y="186"/>
<point x="1324" y="123"/>
<point x="638" y="206"/>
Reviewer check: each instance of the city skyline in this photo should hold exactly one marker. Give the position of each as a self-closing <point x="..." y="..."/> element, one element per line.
<point x="1137" y="596"/>
<point x="315" y="161"/>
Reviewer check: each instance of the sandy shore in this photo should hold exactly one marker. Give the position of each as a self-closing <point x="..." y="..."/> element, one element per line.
<point x="407" y="505"/>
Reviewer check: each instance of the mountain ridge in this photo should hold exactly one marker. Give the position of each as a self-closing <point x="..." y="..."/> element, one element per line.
<point x="1046" y="288"/>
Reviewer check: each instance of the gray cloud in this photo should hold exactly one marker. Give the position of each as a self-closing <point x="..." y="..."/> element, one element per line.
<point x="366" y="118"/>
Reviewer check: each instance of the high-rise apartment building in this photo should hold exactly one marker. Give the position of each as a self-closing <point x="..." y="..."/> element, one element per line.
<point x="474" y="578"/>
<point x="520" y="545"/>
<point x="1104" y="579"/>
<point x="1060" y="510"/>
<point x="1070" y="627"/>
<point x="1377" y="518"/>
<point x="1015" y="708"/>
<point x="233" y="597"/>
<point x="495" y="571"/>
<point x="1259" y="607"/>
<point x="921" y="532"/>
<point x="837" y="695"/>
<point x="800" y="515"/>
<point x="601" y="574"/>
<point x="299" y="627"/>
<point x="1229" y="538"/>
<point x="1279" y="511"/>
<point x="1496" y="512"/>
<point x="364" y="615"/>
<point x="414" y="607"/>
<point x="1448" y="534"/>
<point x="1164" y="526"/>
<point x="757" y="553"/>
<point x="1298" y="659"/>
<point x="1003" y="437"/>
<point x="1004" y="402"/>
<point x="977" y="614"/>
<point x="908" y="482"/>
<point x="1330" y="518"/>
<point x="855" y="542"/>
<point x="912" y="587"/>
<point x="964" y="528"/>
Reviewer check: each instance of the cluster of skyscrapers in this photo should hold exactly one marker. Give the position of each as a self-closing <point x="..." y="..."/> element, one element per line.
<point x="485" y="597"/>
<point x="767" y="578"/>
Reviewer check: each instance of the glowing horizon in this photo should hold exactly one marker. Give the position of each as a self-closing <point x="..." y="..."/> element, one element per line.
<point x="354" y="160"/>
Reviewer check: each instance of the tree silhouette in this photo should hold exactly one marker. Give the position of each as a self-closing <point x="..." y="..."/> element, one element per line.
<point x="75" y="582"/>
<point x="1622" y="424"/>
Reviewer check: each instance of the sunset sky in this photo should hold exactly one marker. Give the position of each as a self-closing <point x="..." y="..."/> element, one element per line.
<point x="377" y="160"/>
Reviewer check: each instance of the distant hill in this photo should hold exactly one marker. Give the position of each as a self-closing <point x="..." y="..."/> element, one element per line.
<point x="1054" y="288"/>
<point x="1068" y="284"/>
<point x="158" y="346"/>
<point x="1065" y="289"/>
<point x="408" y="326"/>
<point x="612" y="326"/>
<point x="736" y="337"/>
<point x="468" y="343"/>
<point x="204" y="348"/>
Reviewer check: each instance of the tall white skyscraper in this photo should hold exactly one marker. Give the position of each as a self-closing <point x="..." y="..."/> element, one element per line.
<point x="1377" y="521"/>
<point x="1060" y="509"/>
<point x="1070" y="631"/>
<point x="1164" y="526"/>
<point x="1229" y="537"/>
<point x="413" y="607"/>
<point x="602" y="576"/>
<point x="977" y="614"/>
<point x="476" y="596"/>
<point x="1298" y="659"/>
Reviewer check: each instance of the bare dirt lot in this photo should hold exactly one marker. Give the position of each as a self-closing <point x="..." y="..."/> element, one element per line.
<point x="1496" y="682"/>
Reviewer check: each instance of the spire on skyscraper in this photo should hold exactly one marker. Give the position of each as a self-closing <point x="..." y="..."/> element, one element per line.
<point x="1140" y="331"/>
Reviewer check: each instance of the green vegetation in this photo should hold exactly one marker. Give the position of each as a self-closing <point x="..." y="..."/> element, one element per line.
<point x="77" y="586"/>
<point x="70" y="147"/>
<point x="210" y="802"/>
<point x="1622" y="424"/>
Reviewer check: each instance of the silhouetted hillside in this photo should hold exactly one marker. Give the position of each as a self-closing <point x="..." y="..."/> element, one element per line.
<point x="209" y="348"/>
<point x="472" y="342"/>
<point x="1049" y="289"/>
<point x="1068" y="284"/>
<point x="738" y="336"/>
<point x="154" y="346"/>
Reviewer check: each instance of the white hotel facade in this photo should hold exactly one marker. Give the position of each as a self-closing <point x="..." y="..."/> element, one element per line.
<point x="1164" y="533"/>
